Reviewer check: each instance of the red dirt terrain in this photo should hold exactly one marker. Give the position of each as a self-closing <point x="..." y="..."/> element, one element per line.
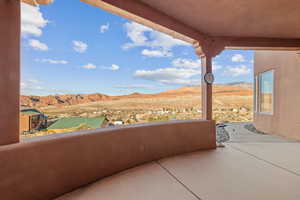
<point x="74" y="99"/>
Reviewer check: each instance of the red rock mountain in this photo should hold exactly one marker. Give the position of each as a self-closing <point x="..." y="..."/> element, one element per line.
<point x="56" y="100"/>
<point x="73" y="99"/>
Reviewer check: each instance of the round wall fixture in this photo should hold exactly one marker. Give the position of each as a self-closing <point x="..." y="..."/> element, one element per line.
<point x="209" y="78"/>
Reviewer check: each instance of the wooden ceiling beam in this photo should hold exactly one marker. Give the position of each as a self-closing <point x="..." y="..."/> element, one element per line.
<point x="30" y="2"/>
<point x="37" y="2"/>
<point x="261" y="43"/>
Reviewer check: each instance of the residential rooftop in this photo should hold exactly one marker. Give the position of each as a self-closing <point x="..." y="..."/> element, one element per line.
<point x="71" y="122"/>
<point x="30" y="111"/>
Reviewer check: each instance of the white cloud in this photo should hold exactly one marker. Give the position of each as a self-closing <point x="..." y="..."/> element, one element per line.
<point x="23" y="85"/>
<point x="79" y="46"/>
<point x="113" y="67"/>
<point x="52" y="61"/>
<point x="216" y="66"/>
<point x="33" y="81"/>
<point x="186" y="63"/>
<point x="237" y="71"/>
<point x="168" y="75"/>
<point x="181" y="81"/>
<point x="26" y="86"/>
<point x="156" y="53"/>
<point x="34" y="87"/>
<point x="104" y="28"/>
<point x="134" y="86"/>
<point x="37" y="45"/>
<point x="32" y="21"/>
<point x="182" y="72"/>
<point x="143" y="36"/>
<point x="237" y="58"/>
<point x="30" y="85"/>
<point x="194" y="64"/>
<point x="165" y="41"/>
<point x="89" y="66"/>
<point x="136" y="33"/>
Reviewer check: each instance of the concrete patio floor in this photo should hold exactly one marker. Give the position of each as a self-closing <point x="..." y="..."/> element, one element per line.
<point x="259" y="169"/>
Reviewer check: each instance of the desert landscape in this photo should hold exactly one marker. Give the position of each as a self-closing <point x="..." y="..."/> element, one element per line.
<point x="231" y="103"/>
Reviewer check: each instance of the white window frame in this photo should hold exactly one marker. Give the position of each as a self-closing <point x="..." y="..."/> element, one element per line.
<point x="259" y="93"/>
<point x="255" y="94"/>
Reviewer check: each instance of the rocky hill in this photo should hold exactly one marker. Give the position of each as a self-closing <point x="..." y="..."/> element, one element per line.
<point x="68" y="99"/>
<point x="240" y="84"/>
<point x="74" y="99"/>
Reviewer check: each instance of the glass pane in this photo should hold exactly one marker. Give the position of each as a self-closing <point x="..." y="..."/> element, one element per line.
<point x="266" y="91"/>
<point x="255" y="95"/>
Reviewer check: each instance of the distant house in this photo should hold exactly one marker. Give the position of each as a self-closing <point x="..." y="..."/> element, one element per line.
<point x="118" y="123"/>
<point x="78" y="123"/>
<point x="32" y="119"/>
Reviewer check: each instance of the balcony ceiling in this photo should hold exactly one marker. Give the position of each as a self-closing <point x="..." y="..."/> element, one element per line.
<point x="235" y="18"/>
<point x="236" y="24"/>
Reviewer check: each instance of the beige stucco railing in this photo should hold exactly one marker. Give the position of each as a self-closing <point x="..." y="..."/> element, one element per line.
<point x="50" y="166"/>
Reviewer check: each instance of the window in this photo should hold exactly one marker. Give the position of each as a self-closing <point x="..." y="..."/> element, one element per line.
<point x="255" y="92"/>
<point x="266" y="90"/>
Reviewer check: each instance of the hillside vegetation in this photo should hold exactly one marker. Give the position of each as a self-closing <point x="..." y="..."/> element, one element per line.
<point x="230" y="103"/>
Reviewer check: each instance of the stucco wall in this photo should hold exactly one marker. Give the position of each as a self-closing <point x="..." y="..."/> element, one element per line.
<point x="9" y="71"/>
<point x="285" y="120"/>
<point x="47" y="167"/>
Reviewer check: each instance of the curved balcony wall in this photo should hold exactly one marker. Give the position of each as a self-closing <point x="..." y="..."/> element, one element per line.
<point x="50" y="166"/>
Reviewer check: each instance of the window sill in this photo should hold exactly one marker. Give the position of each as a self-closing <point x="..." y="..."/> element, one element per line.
<point x="264" y="113"/>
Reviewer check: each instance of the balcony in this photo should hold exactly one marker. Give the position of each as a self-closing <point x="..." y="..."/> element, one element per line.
<point x="172" y="160"/>
<point x="251" y="166"/>
<point x="239" y="171"/>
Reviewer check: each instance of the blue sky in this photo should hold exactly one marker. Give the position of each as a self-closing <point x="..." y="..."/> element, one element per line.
<point x="76" y="48"/>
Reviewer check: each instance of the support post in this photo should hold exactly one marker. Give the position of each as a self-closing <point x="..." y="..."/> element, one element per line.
<point x="206" y="51"/>
<point x="10" y="71"/>
<point x="206" y="65"/>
